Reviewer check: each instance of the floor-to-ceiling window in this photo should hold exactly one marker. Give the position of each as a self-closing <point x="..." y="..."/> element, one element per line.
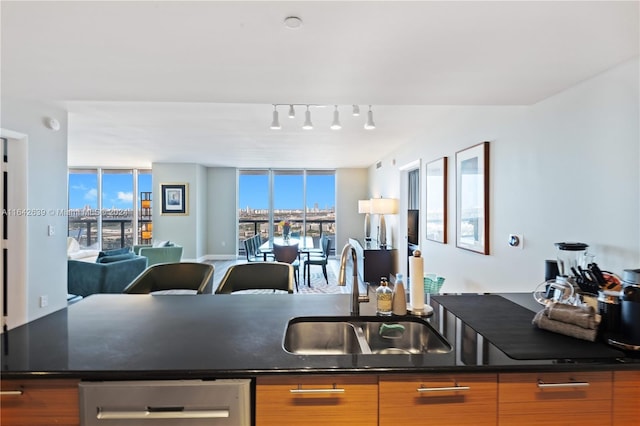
<point x="305" y="198"/>
<point x="105" y="206"/>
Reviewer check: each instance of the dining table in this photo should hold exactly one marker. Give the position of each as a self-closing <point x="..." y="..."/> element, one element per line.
<point x="305" y="245"/>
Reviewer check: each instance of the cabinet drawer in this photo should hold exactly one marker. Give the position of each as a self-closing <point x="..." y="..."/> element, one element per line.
<point x="39" y="402"/>
<point x="555" y="398"/>
<point x="626" y="410"/>
<point x="541" y="387"/>
<point x="321" y="400"/>
<point x="465" y="399"/>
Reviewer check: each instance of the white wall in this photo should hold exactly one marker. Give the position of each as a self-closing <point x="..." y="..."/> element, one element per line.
<point x="222" y="232"/>
<point x="565" y="169"/>
<point x="181" y="229"/>
<point x="351" y="186"/>
<point x="47" y="191"/>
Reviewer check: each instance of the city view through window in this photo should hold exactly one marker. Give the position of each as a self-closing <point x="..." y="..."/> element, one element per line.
<point x="111" y="223"/>
<point x="304" y="199"/>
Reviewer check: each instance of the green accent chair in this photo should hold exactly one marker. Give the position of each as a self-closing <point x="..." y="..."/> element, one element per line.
<point x="155" y="255"/>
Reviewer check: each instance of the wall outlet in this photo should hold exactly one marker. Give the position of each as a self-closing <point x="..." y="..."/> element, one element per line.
<point x="516" y="241"/>
<point x="44" y="301"/>
<point x="51" y="230"/>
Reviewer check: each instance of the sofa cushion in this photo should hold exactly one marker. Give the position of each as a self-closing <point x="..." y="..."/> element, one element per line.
<point x="114" y="252"/>
<point x="115" y="258"/>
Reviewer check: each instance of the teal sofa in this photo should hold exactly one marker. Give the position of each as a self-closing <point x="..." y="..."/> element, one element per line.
<point x="154" y="255"/>
<point x="86" y="278"/>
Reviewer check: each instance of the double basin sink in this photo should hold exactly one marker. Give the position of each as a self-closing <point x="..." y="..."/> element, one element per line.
<point x="362" y="335"/>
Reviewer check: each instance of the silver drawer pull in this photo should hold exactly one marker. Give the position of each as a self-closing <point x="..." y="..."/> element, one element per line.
<point x="444" y="389"/>
<point x="11" y="393"/>
<point x="334" y="389"/>
<point x="543" y="385"/>
<point x="149" y="414"/>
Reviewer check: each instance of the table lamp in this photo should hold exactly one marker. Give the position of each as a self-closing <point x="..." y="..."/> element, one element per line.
<point x="364" y="206"/>
<point x="383" y="206"/>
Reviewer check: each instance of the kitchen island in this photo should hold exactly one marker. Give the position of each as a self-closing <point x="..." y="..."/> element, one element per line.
<point x="183" y="337"/>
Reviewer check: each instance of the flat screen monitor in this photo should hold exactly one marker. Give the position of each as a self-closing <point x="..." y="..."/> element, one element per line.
<point x="413" y="221"/>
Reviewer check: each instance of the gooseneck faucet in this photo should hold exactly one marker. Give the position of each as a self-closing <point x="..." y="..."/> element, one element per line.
<point x="356" y="299"/>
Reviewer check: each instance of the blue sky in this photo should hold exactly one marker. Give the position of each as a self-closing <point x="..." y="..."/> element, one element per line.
<point x="117" y="190"/>
<point x="288" y="191"/>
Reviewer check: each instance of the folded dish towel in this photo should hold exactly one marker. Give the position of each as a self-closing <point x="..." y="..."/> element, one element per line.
<point x="582" y="316"/>
<point x="541" y="320"/>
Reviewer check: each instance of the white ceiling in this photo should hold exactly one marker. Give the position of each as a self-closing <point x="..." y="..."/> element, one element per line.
<point x="194" y="81"/>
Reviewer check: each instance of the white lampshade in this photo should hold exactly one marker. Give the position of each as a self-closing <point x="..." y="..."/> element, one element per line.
<point x="384" y="205"/>
<point x="364" y="206"/>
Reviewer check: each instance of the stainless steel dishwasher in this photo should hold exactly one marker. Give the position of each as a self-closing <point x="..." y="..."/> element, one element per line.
<point x="224" y="402"/>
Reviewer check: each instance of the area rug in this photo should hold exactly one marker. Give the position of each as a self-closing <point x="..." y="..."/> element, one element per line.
<point x="318" y="283"/>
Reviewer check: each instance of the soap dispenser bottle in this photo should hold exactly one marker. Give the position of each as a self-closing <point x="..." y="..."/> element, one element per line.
<point x="384" y="298"/>
<point x="399" y="297"/>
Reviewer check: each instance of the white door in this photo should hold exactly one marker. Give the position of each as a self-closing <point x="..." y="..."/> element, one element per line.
<point x="13" y="229"/>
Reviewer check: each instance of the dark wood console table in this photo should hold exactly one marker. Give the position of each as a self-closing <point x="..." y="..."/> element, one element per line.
<point x="374" y="261"/>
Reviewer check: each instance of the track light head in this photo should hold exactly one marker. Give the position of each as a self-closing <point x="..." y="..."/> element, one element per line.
<point x="307" y="120"/>
<point x="336" y="119"/>
<point x="292" y="112"/>
<point x="356" y="110"/>
<point x="370" y="125"/>
<point x="275" y="123"/>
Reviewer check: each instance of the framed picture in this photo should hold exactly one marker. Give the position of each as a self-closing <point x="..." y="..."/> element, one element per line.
<point x="472" y="198"/>
<point x="437" y="200"/>
<point x="174" y="198"/>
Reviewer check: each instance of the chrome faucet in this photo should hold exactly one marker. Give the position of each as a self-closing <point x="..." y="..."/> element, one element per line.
<point x="356" y="299"/>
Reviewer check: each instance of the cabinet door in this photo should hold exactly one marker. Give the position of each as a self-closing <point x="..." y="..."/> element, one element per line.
<point x="439" y="399"/>
<point x="578" y="398"/>
<point x="39" y="402"/>
<point x="322" y="400"/>
<point x="626" y="410"/>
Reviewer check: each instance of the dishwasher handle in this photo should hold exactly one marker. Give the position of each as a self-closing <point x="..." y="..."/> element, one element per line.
<point x="161" y="413"/>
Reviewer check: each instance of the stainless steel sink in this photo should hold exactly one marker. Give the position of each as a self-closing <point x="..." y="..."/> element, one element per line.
<point x="362" y="335"/>
<point x="321" y="337"/>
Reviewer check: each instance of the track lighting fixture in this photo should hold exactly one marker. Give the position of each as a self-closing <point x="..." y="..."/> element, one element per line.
<point x="308" y="125"/>
<point x="307" y="120"/>
<point x="336" y="119"/>
<point x="369" y="125"/>
<point x="275" y="124"/>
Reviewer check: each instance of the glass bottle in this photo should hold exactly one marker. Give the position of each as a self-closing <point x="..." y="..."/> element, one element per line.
<point x="384" y="298"/>
<point x="399" y="297"/>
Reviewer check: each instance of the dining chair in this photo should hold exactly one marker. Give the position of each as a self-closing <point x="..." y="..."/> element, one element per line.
<point x="257" y="276"/>
<point x="288" y="254"/>
<point x="173" y="276"/>
<point x="315" y="259"/>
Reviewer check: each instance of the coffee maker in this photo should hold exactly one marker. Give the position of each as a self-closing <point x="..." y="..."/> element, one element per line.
<point x="629" y="335"/>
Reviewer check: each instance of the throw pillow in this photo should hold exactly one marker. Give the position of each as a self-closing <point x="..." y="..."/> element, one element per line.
<point x="160" y="243"/>
<point x="114" y="252"/>
<point x="72" y="245"/>
<point x="115" y="258"/>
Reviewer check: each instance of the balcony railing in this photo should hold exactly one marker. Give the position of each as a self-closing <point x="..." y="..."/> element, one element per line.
<point x="315" y="228"/>
<point x="116" y="233"/>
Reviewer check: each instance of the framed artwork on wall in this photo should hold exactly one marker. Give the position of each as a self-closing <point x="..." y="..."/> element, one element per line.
<point x="436" y="193"/>
<point x="174" y="198"/>
<point x="472" y="198"/>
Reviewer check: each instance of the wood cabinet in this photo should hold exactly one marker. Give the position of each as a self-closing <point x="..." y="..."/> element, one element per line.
<point x="317" y="400"/>
<point x="568" y="398"/>
<point x="439" y="399"/>
<point x="626" y="410"/>
<point x="39" y="402"/>
<point x="374" y="262"/>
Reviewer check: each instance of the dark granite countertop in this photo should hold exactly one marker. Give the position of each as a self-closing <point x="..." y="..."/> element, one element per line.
<point x="187" y="336"/>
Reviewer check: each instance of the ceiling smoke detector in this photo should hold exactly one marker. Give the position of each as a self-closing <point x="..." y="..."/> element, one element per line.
<point x="292" y="22"/>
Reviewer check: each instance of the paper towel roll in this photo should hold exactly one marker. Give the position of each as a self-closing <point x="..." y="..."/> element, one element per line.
<point x="416" y="272"/>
